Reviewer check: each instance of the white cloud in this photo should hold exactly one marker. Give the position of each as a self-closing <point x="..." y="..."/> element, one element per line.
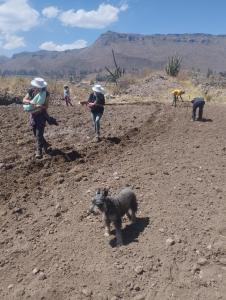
<point x="100" y="18"/>
<point x="124" y="7"/>
<point x="50" y="12"/>
<point x="51" y="46"/>
<point x="13" y="41"/>
<point x="16" y="16"/>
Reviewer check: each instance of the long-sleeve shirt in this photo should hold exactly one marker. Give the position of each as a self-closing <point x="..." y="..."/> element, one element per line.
<point x="198" y="101"/>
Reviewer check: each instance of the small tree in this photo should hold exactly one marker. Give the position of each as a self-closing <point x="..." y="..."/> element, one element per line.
<point x="117" y="73"/>
<point x="209" y="73"/>
<point x="174" y="65"/>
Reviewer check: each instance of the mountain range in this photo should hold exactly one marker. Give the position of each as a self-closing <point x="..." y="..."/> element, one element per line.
<point x="132" y="52"/>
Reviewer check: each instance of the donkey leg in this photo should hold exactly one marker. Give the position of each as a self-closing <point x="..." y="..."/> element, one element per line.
<point x="118" y="226"/>
<point x="133" y="216"/>
<point x="107" y="226"/>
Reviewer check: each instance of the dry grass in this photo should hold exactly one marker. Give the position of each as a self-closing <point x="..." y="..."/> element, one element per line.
<point x="18" y="86"/>
<point x="160" y="88"/>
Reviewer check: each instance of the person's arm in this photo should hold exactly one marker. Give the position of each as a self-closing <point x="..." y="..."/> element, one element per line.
<point x="27" y="99"/>
<point x="89" y="103"/>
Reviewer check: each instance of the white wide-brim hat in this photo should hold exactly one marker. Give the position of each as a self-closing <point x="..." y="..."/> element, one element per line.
<point x="39" y="83"/>
<point x="98" y="88"/>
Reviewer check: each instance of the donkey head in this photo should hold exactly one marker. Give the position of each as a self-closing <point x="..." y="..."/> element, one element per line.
<point x="100" y="198"/>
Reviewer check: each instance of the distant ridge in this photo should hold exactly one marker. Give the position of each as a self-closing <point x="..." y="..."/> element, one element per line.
<point x="133" y="51"/>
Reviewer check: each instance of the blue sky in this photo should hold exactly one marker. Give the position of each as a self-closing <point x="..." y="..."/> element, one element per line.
<point x="31" y="25"/>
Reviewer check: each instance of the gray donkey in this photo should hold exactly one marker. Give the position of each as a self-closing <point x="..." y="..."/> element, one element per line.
<point x="114" y="209"/>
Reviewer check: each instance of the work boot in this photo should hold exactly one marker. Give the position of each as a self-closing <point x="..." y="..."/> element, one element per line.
<point x="47" y="148"/>
<point x="97" y="138"/>
<point x="38" y="154"/>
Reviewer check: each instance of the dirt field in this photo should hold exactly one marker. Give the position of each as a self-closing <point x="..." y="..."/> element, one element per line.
<point x="50" y="248"/>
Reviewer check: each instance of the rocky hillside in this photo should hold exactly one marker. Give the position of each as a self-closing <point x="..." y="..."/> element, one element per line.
<point x="133" y="51"/>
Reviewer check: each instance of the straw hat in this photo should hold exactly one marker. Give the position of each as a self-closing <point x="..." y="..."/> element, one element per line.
<point x="39" y="83"/>
<point x="98" y="88"/>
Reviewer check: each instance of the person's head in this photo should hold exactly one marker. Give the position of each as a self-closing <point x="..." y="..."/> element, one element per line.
<point x="38" y="84"/>
<point x="97" y="88"/>
<point x="66" y="87"/>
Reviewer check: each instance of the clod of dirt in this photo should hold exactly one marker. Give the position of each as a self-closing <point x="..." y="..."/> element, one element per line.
<point x="17" y="210"/>
<point x="202" y="261"/>
<point x="10" y="286"/>
<point x="139" y="270"/>
<point x="170" y="242"/>
<point x="86" y="292"/>
<point x="42" y="276"/>
<point x="35" y="271"/>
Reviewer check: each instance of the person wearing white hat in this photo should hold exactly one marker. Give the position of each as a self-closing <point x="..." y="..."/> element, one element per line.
<point x="96" y="104"/>
<point x="36" y="96"/>
<point x="35" y="102"/>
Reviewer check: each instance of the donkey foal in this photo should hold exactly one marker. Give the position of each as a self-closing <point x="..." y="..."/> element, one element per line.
<point x="113" y="209"/>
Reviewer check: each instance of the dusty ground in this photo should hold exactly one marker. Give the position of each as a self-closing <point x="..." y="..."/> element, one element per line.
<point x="51" y="249"/>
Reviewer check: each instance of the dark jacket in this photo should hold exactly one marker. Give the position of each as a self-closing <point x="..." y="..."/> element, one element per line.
<point x="100" y="101"/>
<point x="197" y="102"/>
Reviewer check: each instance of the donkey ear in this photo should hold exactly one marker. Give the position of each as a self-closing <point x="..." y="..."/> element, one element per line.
<point x="106" y="192"/>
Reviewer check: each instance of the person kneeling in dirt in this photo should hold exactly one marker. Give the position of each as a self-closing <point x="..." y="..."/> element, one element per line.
<point x="199" y="103"/>
<point x="36" y="103"/>
<point x="176" y="95"/>
<point x="96" y="104"/>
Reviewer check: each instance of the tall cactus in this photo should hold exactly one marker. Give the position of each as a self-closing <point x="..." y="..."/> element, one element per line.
<point x="174" y="65"/>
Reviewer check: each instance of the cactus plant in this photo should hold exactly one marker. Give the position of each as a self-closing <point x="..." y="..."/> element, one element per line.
<point x="174" y="65"/>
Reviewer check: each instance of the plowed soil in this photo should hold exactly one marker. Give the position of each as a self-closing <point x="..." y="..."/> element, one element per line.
<point x="51" y="248"/>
